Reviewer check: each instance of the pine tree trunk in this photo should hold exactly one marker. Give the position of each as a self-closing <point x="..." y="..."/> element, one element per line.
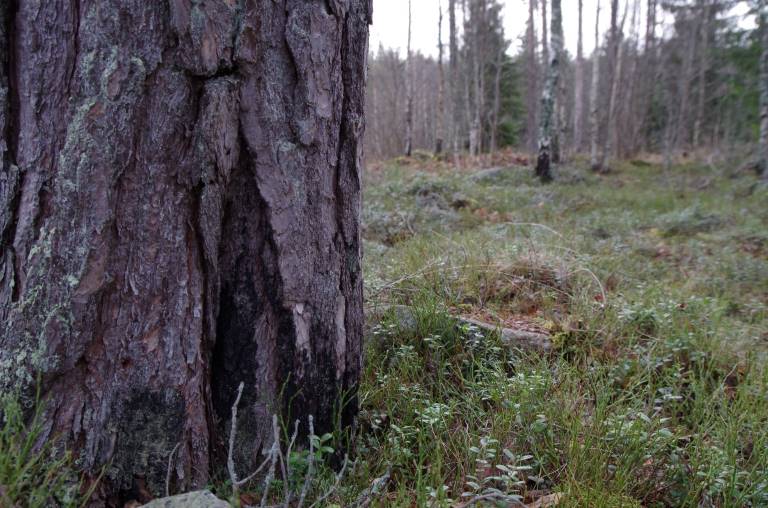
<point x="179" y="207"/>
<point x="548" y="122"/>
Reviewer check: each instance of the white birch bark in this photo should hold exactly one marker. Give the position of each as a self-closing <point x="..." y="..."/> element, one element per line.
<point x="548" y="123"/>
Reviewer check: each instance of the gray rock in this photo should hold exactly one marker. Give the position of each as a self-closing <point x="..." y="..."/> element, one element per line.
<point x="491" y="175"/>
<point x="198" y="499"/>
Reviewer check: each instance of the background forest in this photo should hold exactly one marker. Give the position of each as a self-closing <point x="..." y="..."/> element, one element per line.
<point x="672" y="77"/>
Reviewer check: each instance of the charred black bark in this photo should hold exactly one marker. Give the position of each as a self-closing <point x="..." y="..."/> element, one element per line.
<point x="184" y="217"/>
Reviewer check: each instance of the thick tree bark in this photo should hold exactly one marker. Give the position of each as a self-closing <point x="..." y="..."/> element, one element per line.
<point x="548" y="122"/>
<point x="184" y="217"/>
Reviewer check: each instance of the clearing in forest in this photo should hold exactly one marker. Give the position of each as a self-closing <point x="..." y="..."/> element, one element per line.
<point x="652" y="288"/>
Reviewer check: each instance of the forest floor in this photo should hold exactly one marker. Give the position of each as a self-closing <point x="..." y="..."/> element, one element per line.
<point x="647" y="385"/>
<point x="652" y="286"/>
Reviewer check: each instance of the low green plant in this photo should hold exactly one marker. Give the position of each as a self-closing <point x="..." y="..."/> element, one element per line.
<point x="33" y="474"/>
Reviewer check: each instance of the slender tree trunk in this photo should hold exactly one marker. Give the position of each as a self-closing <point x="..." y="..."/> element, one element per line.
<point x="440" y="113"/>
<point x="548" y="124"/>
<point x="558" y="120"/>
<point x="649" y="73"/>
<point x="686" y="78"/>
<point x="632" y="116"/>
<point x="594" y="105"/>
<point x="703" y="70"/>
<point x="184" y="217"/>
<point x="578" y="99"/>
<point x="545" y="60"/>
<point x="475" y="134"/>
<point x="617" y="59"/>
<point x="454" y="87"/>
<point x="532" y="75"/>
<point x="763" y="94"/>
<point x="497" y="100"/>
<point x="409" y="89"/>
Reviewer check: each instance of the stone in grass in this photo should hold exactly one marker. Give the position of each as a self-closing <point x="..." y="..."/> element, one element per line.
<point x="405" y="319"/>
<point x="198" y="499"/>
<point x="491" y="175"/>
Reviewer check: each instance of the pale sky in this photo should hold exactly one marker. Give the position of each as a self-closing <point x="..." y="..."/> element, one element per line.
<point x="390" y="23"/>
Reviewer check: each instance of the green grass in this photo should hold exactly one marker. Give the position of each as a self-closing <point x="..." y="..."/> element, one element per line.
<point x="32" y="476"/>
<point x="654" y="287"/>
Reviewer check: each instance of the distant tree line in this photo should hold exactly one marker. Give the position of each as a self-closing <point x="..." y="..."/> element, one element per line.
<point x="671" y="87"/>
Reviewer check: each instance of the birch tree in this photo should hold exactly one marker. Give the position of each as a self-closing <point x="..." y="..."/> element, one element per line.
<point x="548" y="122"/>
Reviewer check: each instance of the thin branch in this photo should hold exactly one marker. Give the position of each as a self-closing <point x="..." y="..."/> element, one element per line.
<point x="366" y="497"/>
<point x="271" y="474"/>
<point x="168" y="471"/>
<point x="287" y="471"/>
<point x="336" y="484"/>
<point x="311" y="466"/>
<point x="232" y="434"/>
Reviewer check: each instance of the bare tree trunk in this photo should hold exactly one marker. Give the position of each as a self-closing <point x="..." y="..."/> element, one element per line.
<point x="545" y="60"/>
<point x="558" y="120"/>
<point x="496" y="100"/>
<point x="703" y="70"/>
<point x="409" y="89"/>
<point x="440" y="113"/>
<point x="578" y="102"/>
<point x="184" y="217"/>
<point x="683" y="121"/>
<point x="649" y="73"/>
<point x="763" y="95"/>
<point x="548" y="124"/>
<point x="594" y="106"/>
<point x="454" y="81"/>
<point x="617" y="62"/>
<point x="475" y="130"/>
<point x="532" y="76"/>
<point x="632" y="116"/>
